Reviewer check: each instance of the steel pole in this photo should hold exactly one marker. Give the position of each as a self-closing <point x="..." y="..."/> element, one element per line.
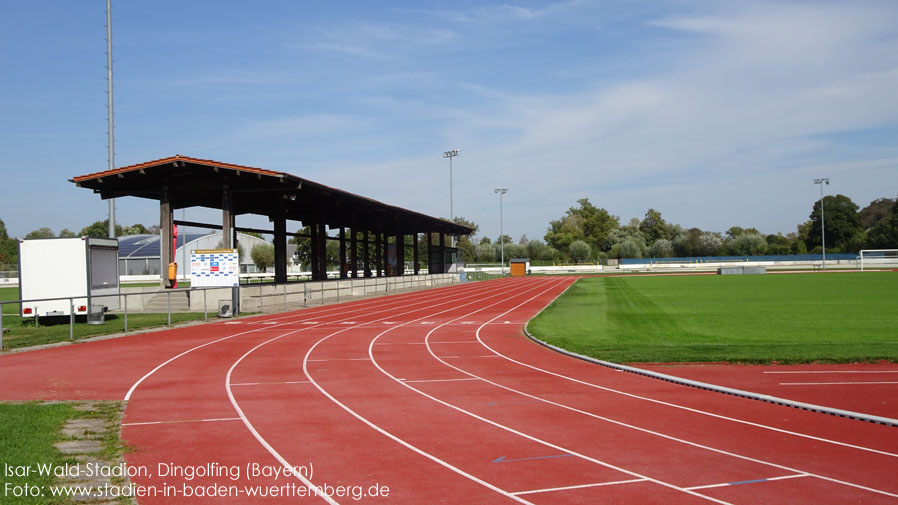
<point x="500" y="192"/>
<point x="110" y="110"/>
<point x="822" y="226"/>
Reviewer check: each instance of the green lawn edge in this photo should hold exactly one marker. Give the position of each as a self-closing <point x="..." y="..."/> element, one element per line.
<point x="782" y="318"/>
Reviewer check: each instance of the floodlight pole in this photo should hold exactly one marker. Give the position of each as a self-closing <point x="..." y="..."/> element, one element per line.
<point x="451" y="154"/>
<point x="821" y="181"/>
<point x="501" y="191"/>
<point x="109" y="109"/>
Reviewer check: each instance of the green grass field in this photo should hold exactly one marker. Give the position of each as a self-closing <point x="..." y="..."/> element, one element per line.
<point x="736" y="318"/>
<point x="29" y="432"/>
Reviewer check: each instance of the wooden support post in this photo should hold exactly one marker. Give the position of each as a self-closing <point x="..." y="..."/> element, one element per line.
<point x="344" y="272"/>
<point x="378" y="245"/>
<point x="313" y="246"/>
<point x="322" y="251"/>
<point x="415" y="255"/>
<point x="366" y="256"/>
<point x="354" y="252"/>
<point x="280" y="243"/>
<point x="400" y="254"/>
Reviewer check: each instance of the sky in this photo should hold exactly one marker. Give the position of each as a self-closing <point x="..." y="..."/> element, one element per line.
<point x="716" y="114"/>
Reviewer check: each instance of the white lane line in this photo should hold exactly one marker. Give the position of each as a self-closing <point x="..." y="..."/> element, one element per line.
<point x="268" y="383"/>
<point x="756" y="481"/>
<point x="461" y="357"/>
<point x="832" y="383"/>
<point x="422" y="343"/>
<point x="831" y="371"/>
<point x="478" y="293"/>
<point x="501" y="292"/>
<point x="341" y="359"/>
<point x="779" y="430"/>
<point x="183" y="421"/>
<point x="581" y="486"/>
<point x="521" y="434"/>
<point x="442" y="380"/>
<point x="401" y="300"/>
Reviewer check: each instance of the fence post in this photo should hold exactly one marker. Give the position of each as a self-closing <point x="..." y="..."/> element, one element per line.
<point x="204" y="304"/>
<point x="72" y="318"/>
<point x="125" y="296"/>
<point x="285" y="297"/>
<point x="1" y="324"/>
<point x="168" y="303"/>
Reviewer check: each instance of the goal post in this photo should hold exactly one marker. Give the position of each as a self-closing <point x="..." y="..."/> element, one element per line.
<point x="878" y="258"/>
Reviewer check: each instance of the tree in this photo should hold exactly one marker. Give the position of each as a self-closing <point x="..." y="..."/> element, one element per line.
<point x="842" y="224"/>
<point x="262" y="256"/>
<point x="588" y="223"/>
<point x="134" y="229"/>
<point x="303" y="246"/>
<point x="463" y="242"/>
<point x="580" y="251"/>
<point x="65" y="232"/>
<point x="99" y="229"/>
<point x="485" y="253"/>
<point x="653" y="226"/>
<point x="8" y="247"/>
<point x="661" y="248"/>
<point x="708" y="244"/>
<point x="632" y="247"/>
<point x="878" y="210"/>
<point x="536" y="250"/>
<point x="748" y="244"/>
<point x="40" y="233"/>
<point x="884" y="235"/>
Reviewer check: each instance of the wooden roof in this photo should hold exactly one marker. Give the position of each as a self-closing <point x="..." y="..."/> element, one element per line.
<point x="199" y="182"/>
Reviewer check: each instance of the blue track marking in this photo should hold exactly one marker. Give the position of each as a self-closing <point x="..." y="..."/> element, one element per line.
<point x="747" y="482"/>
<point x="501" y="459"/>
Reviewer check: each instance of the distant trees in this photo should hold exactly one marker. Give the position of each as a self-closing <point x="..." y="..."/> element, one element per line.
<point x="587" y="222"/>
<point x="841" y="222"/>
<point x="884" y="233"/>
<point x="9" y="248"/>
<point x="262" y="256"/>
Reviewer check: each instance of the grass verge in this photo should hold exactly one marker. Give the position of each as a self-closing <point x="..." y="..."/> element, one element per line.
<point x="735" y="318"/>
<point x="23" y="332"/>
<point x="30" y="430"/>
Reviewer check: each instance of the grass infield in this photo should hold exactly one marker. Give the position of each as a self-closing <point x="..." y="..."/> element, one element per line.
<point x="786" y="318"/>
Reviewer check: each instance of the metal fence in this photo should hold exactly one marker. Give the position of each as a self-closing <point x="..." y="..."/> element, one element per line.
<point x="264" y="297"/>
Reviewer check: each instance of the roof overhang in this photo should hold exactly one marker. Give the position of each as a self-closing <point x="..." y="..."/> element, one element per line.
<point x="194" y="182"/>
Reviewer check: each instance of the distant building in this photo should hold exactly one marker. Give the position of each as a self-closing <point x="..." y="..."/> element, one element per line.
<point x="140" y="255"/>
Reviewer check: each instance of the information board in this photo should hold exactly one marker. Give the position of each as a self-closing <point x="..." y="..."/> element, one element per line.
<point x="214" y="267"/>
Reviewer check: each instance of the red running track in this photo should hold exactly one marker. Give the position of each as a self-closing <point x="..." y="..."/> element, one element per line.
<point x="438" y="397"/>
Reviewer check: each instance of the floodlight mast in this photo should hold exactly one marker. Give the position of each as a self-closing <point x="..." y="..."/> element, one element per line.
<point x="451" y="154"/>
<point x="821" y="181"/>
<point x="109" y="109"/>
<point x="501" y="191"/>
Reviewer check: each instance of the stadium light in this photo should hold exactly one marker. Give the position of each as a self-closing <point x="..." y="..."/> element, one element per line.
<point x="501" y="191"/>
<point x="451" y="154"/>
<point x="821" y="181"/>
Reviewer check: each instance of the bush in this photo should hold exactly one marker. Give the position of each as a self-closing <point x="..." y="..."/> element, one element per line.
<point x="579" y="251"/>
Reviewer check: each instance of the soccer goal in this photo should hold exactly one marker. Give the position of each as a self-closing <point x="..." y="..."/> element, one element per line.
<point x="879" y="258"/>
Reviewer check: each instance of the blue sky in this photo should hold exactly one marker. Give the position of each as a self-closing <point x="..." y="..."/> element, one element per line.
<point x="714" y="113"/>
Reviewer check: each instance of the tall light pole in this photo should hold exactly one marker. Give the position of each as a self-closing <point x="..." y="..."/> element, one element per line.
<point x="451" y="154"/>
<point x="501" y="191"/>
<point x="821" y="181"/>
<point x="109" y="107"/>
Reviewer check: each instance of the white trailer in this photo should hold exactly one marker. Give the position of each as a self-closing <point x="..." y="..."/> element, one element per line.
<point x="83" y="268"/>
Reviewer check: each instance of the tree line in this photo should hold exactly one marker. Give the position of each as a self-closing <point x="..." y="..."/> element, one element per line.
<point x="588" y="233"/>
